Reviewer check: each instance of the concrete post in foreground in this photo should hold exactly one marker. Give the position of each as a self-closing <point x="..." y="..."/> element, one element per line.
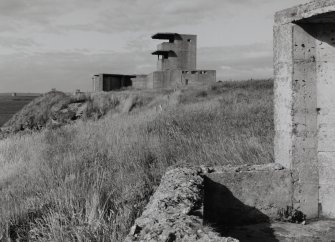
<point x="304" y="63"/>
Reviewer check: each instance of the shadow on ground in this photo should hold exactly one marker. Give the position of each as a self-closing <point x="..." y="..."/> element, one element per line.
<point x="231" y="217"/>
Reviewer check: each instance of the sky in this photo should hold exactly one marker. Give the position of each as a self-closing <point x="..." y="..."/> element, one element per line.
<point x="61" y="44"/>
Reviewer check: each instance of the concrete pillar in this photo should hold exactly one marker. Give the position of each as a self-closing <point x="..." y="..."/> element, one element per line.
<point x="97" y="83"/>
<point x="304" y="56"/>
<point x="295" y="115"/>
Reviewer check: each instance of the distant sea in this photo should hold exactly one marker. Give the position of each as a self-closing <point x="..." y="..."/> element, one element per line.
<point x="11" y="103"/>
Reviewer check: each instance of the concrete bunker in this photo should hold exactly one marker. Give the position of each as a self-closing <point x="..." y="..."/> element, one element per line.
<point x="109" y="82"/>
<point x="304" y="62"/>
<point x="176" y="56"/>
<point x="176" y="64"/>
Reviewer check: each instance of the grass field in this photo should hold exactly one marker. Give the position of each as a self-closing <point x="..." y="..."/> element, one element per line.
<point x="10" y="105"/>
<point x="90" y="180"/>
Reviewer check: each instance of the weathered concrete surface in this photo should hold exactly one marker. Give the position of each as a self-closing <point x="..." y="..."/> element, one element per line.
<point x="168" y="216"/>
<point x="175" y="78"/>
<point x="304" y="55"/>
<point x="319" y="231"/>
<point x="304" y="130"/>
<point x="283" y="94"/>
<point x="180" y="53"/>
<point x="197" y="77"/>
<point x="176" y="64"/>
<point x="140" y="81"/>
<point x="306" y="13"/>
<point x="246" y="195"/>
<point x="174" y="211"/>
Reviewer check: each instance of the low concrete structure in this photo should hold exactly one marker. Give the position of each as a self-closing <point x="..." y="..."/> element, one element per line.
<point x="304" y="56"/>
<point x="246" y="195"/>
<point x="174" y="78"/>
<point x="109" y="82"/>
<point x="140" y="82"/>
<point x="242" y="203"/>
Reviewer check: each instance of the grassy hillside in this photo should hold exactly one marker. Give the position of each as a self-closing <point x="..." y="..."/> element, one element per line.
<point x="88" y="181"/>
<point x="10" y="105"/>
<point x="55" y="109"/>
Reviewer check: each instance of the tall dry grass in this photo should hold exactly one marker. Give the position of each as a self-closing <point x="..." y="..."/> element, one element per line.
<point x="90" y="180"/>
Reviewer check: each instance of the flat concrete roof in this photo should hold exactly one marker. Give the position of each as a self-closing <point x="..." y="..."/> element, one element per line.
<point x="162" y="52"/>
<point x="117" y="75"/>
<point x="165" y="36"/>
<point x="316" y="11"/>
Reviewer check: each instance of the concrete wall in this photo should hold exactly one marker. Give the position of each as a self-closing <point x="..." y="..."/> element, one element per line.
<point x="198" y="77"/>
<point x="246" y="195"/>
<point x="168" y="63"/>
<point x="165" y="79"/>
<point x="304" y="56"/>
<point x="325" y="72"/>
<point x="178" y="78"/>
<point x="150" y="80"/>
<point x="109" y="82"/>
<point x="97" y="83"/>
<point x="304" y="110"/>
<point x="112" y="83"/>
<point x="140" y="81"/>
<point x="295" y="114"/>
<point x="183" y="54"/>
<point x="187" y="52"/>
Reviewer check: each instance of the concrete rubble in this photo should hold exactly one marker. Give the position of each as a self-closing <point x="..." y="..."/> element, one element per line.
<point x="170" y="214"/>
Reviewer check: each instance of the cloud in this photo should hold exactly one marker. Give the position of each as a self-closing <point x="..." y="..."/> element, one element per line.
<point x="135" y="15"/>
<point x="119" y="15"/>
<point x="66" y="70"/>
<point x="16" y="43"/>
<point x="72" y="70"/>
<point x="40" y="15"/>
<point x="238" y="62"/>
<point x="48" y="43"/>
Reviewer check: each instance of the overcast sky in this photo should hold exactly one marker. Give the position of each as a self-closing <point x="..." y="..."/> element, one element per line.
<point x="60" y="44"/>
